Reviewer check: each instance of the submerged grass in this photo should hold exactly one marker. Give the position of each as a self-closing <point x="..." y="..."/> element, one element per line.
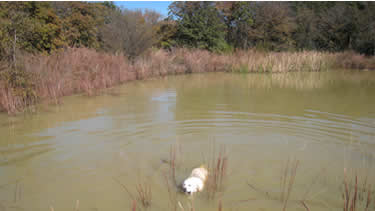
<point x="172" y="164"/>
<point x="142" y="195"/>
<point x="287" y="180"/>
<point x="357" y="193"/>
<point x="217" y="171"/>
<point x="172" y="194"/>
<point x="290" y="177"/>
<point x="356" y="197"/>
<point x="80" y="70"/>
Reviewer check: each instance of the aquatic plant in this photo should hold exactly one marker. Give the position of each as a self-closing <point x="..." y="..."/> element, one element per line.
<point x="172" y="163"/>
<point x="76" y="207"/>
<point x="289" y="175"/>
<point x="172" y="193"/>
<point x="352" y="60"/>
<point x="134" y="205"/>
<point x="220" y="207"/>
<point x="354" y="196"/>
<point x="143" y="193"/>
<point x="287" y="179"/>
<point x="217" y="171"/>
<point x="305" y="206"/>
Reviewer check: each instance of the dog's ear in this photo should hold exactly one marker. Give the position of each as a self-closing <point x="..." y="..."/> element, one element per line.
<point x="202" y="166"/>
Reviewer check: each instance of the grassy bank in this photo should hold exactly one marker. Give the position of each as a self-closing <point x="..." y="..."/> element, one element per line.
<point x="38" y="78"/>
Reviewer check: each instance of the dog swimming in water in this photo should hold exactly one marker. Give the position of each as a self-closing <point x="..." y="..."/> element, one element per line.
<point x="195" y="182"/>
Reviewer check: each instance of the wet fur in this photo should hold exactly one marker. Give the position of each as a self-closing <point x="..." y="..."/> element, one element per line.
<point x="195" y="182"/>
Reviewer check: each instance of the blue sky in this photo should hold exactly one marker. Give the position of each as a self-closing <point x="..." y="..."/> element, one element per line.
<point x="158" y="6"/>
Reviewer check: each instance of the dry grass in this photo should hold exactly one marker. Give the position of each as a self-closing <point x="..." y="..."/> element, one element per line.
<point x="134" y="205"/>
<point x="172" y="164"/>
<point x="352" y="60"/>
<point x="143" y="194"/>
<point x="170" y="177"/>
<point x="253" y="61"/>
<point x="63" y="73"/>
<point x="76" y="207"/>
<point x="217" y="171"/>
<point x="354" y="196"/>
<point x="81" y="70"/>
<point x="305" y="206"/>
<point x="172" y="194"/>
<point x="287" y="181"/>
<point x="220" y="208"/>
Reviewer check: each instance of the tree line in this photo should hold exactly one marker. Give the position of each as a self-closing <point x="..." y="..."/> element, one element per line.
<point x="274" y="26"/>
<point x="45" y="27"/>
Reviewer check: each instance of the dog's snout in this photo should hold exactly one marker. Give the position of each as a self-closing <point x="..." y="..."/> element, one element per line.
<point x="186" y="190"/>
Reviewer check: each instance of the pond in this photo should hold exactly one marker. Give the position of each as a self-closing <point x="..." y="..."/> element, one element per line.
<point x="292" y="141"/>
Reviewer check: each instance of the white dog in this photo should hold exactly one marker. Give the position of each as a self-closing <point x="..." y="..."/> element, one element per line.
<point x="195" y="182"/>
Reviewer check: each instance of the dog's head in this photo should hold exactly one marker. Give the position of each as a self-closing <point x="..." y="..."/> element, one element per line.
<point x="192" y="185"/>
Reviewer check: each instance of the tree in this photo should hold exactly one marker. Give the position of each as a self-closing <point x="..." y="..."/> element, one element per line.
<point x="337" y="27"/>
<point x="365" y="38"/>
<point x="165" y="33"/>
<point x="131" y="32"/>
<point x="272" y="27"/>
<point x="306" y="28"/>
<point x="29" y="26"/>
<point x="81" y="21"/>
<point x="239" y="20"/>
<point x="199" y="25"/>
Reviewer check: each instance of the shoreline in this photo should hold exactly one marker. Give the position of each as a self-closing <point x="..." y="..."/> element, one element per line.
<point x="40" y="78"/>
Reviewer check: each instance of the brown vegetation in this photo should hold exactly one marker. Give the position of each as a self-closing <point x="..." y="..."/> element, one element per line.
<point x="143" y="194"/>
<point x="285" y="194"/>
<point x="217" y="172"/>
<point x="82" y="70"/>
<point x="354" y="196"/>
<point x="352" y="60"/>
<point x="287" y="180"/>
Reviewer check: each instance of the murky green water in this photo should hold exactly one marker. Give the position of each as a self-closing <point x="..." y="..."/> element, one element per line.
<point x="81" y="150"/>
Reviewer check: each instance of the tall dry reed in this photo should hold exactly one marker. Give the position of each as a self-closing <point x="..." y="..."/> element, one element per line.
<point x="172" y="193"/>
<point x="352" y="60"/>
<point x="287" y="181"/>
<point x="172" y="164"/>
<point x="143" y="193"/>
<point x="81" y="70"/>
<point x="354" y="196"/>
<point x="217" y="172"/>
<point x="276" y="62"/>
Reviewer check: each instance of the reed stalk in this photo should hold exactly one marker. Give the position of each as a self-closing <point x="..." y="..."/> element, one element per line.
<point x="220" y="208"/>
<point x="305" y="206"/>
<point x="292" y="176"/>
<point x="76" y="208"/>
<point x="354" y="195"/>
<point x="217" y="171"/>
<point x="144" y="194"/>
<point x="134" y="205"/>
<point x="172" y="163"/>
<point x="172" y="194"/>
